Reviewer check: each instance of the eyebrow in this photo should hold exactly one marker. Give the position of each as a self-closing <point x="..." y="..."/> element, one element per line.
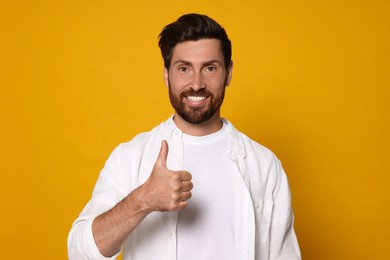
<point x="203" y="64"/>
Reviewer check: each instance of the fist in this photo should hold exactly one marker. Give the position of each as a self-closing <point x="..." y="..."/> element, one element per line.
<point x="166" y="190"/>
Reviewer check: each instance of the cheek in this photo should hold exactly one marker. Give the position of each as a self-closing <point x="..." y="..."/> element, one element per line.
<point x="178" y="82"/>
<point x="217" y="83"/>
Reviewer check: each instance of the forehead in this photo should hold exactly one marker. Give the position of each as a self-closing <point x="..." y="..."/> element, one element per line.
<point x="200" y="50"/>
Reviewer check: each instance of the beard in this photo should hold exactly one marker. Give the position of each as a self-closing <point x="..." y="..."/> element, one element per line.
<point x="198" y="114"/>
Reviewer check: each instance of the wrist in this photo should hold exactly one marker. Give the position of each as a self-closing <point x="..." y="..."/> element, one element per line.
<point x="138" y="201"/>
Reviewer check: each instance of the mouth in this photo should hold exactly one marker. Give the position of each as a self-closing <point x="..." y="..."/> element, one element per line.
<point x="196" y="101"/>
<point x="196" y="98"/>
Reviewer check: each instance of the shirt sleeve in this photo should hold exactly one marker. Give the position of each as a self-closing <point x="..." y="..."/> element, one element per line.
<point x="283" y="240"/>
<point x="106" y="194"/>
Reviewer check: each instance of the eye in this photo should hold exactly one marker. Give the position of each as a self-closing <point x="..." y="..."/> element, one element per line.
<point x="211" y="68"/>
<point x="182" y="69"/>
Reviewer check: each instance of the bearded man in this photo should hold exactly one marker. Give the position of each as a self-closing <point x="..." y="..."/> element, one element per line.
<point x="194" y="187"/>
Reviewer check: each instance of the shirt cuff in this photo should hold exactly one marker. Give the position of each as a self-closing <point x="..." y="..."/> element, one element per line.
<point x="90" y="246"/>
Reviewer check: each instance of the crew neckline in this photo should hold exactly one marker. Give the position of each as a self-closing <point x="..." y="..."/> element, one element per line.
<point x="216" y="136"/>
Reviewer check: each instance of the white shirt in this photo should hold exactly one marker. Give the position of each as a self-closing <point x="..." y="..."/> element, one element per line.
<point x="264" y="200"/>
<point x="205" y="228"/>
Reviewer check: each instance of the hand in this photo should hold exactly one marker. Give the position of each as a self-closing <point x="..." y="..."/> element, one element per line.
<point x="166" y="190"/>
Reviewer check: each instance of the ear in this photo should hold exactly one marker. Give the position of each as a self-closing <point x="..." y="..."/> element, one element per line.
<point x="166" y="77"/>
<point x="229" y="74"/>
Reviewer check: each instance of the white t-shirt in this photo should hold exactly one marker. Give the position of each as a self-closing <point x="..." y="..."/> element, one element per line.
<point x="206" y="227"/>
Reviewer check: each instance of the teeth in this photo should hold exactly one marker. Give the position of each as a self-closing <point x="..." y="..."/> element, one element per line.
<point x="195" y="98"/>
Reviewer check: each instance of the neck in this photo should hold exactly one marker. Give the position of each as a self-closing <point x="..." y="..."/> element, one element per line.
<point x="210" y="126"/>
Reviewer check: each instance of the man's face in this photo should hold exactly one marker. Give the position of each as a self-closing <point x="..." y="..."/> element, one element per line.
<point x="196" y="79"/>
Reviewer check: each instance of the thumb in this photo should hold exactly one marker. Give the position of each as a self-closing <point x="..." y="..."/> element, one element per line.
<point x="163" y="155"/>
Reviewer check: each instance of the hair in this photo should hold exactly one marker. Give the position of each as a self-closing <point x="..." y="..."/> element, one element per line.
<point x="193" y="27"/>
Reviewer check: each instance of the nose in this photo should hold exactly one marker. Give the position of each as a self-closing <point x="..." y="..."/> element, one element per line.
<point x="197" y="81"/>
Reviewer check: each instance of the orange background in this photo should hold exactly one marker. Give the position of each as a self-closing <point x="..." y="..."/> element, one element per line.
<point x="311" y="82"/>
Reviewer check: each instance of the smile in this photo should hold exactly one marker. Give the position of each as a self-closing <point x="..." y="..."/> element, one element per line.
<point x="196" y="98"/>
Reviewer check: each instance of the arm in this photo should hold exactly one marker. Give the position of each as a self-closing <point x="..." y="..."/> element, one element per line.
<point x="283" y="244"/>
<point x="111" y="228"/>
<point x="164" y="190"/>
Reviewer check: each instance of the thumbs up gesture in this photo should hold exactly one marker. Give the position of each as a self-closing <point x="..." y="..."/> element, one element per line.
<point x="166" y="190"/>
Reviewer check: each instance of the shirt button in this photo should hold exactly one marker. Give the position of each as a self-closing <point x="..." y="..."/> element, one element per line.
<point x="170" y="234"/>
<point x="177" y="132"/>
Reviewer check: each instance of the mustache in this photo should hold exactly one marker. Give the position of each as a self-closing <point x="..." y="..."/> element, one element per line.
<point x="200" y="93"/>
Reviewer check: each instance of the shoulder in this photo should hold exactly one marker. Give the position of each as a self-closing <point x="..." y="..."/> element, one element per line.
<point x="256" y="149"/>
<point x="251" y="147"/>
<point x="142" y="141"/>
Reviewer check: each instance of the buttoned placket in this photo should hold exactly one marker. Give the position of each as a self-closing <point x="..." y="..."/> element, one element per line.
<point x="175" y="163"/>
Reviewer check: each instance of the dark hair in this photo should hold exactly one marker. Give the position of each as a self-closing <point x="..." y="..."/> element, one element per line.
<point x="193" y="27"/>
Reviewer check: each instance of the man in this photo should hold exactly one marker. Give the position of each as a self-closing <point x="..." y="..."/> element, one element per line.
<point x="193" y="187"/>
